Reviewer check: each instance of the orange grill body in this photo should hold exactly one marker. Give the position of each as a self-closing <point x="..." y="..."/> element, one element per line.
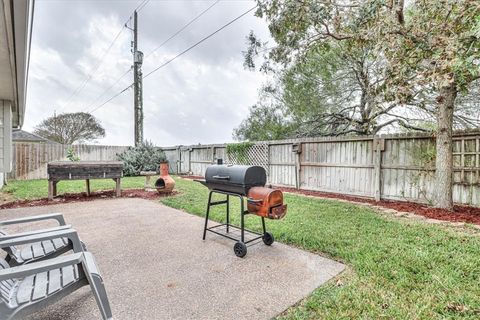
<point x="266" y="202"/>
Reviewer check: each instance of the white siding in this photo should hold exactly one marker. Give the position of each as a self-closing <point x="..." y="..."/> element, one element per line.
<point x="5" y="137"/>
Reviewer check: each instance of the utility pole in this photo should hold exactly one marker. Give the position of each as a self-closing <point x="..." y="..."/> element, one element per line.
<point x="137" y="85"/>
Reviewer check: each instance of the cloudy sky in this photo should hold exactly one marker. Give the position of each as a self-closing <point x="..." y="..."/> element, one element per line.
<point x="198" y="98"/>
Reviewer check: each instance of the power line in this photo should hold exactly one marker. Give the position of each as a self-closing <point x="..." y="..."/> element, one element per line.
<point x="178" y="55"/>
<point x="95" y="69"/>
<point x="108" y="89"/>
<point x="111" y="98"/>
<point x="141" y="5"/>
<point x="199" y="42"/>
<point x="97" y="66"/>
<point x="183" y="28"/>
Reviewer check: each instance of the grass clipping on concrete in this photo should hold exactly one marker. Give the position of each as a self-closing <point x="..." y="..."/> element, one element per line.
<point x="397" y="269"/>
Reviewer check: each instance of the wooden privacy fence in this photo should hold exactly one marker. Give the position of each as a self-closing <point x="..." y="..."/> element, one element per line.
<point x="397" y="167"/>
<point x="30" y="159"/>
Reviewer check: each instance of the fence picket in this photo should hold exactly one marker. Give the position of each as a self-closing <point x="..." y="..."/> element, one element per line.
<point x="30" y="159"/>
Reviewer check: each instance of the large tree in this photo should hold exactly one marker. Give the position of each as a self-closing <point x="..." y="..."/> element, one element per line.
<point x="331" y="89"/>
<point x="432" y="46"/>
<point x="265" y="122"/>
<point x="69" y="128"/>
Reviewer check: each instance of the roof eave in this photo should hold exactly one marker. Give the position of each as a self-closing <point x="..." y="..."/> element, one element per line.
<point x="22" y="21"/>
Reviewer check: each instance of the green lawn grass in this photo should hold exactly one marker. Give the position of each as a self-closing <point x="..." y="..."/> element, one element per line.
<point x="397" y="269"/>
<point x="35" y="189"/>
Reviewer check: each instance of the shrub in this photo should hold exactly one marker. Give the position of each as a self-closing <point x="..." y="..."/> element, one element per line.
<point x="71" y="155"/>
<point x="142" y="158"/>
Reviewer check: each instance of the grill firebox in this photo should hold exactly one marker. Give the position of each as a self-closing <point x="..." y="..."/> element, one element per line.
<point x="266" y="202"/>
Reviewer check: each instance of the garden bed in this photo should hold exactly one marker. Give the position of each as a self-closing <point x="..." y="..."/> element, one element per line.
<point x="80" y="197"/>
<point x="460" y="214"/>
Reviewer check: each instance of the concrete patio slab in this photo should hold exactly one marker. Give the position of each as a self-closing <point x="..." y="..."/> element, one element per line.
<point x="156" y="266"/>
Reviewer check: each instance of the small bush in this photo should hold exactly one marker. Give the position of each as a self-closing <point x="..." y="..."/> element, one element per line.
<point x="143" y="158"/>
<point x="71" y="155"/>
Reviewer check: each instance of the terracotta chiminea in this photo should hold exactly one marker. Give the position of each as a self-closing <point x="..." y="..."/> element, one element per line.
<point x="165" y="183"/>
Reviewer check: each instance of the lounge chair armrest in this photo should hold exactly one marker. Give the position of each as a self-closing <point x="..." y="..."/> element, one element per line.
<point x="71" y="234"/>
<point x="89" y="264"/>
<point x="95" y="280"/>
<point x="41" y="266"/>
<point x="33" y="232"/>
<point x="51" y="216"/>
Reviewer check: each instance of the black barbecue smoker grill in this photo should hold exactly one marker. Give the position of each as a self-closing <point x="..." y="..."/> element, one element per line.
<point x="242" y="181"/>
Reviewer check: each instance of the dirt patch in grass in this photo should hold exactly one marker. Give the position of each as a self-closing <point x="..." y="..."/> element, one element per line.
<point x="460" y="214"/>
<point x="80" y="197"/>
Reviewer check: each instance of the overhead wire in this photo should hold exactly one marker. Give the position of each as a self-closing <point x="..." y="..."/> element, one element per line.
<point x="182" y="28"/>
<point x="141" y="5"/>
<point x="177" y="56"/>
<point x="111" y="98"/>
<point x="95" y="69"/>
<point x="98" y="65"/>
<point x="198" y="42"/>
<point x="109" y="88"/>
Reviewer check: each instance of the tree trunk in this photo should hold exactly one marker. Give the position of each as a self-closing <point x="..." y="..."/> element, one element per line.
<point x="444" y="146"/>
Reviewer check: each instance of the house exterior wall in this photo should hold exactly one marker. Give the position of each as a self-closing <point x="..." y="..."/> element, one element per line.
<point x="5" y="137"/>
<point x="16" y="21"/>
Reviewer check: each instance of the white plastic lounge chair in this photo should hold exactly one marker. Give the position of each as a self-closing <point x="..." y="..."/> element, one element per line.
<point x="39" y="250"/>
<point x="28" y="288"/>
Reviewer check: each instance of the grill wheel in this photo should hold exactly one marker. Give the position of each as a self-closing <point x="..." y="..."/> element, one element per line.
<point x="268" y="238"/>
<point x="240" y="249"/>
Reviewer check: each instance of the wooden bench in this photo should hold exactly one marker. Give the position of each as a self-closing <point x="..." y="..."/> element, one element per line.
<point x="83" y="170"/>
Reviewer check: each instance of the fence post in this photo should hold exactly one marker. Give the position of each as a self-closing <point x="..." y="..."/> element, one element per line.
<point x="179" y="159"/>
<point x="297" y="149"/>
<point x="190" y="150"/>
<point x="378" y="147"/>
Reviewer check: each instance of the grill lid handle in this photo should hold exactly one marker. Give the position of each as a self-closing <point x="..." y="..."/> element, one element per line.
<point x="221" y="177"/>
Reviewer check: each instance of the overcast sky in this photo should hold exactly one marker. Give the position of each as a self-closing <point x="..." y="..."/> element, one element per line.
<point x="198" y="98"/>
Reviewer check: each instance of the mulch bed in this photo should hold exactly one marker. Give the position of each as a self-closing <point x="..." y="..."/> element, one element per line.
<point x="80" y="197"/>
<point x="460" y="214"/>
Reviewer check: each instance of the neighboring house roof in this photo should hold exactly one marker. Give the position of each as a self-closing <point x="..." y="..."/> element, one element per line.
<point x="15" y="34"/>
<point x="24" y="136"/>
